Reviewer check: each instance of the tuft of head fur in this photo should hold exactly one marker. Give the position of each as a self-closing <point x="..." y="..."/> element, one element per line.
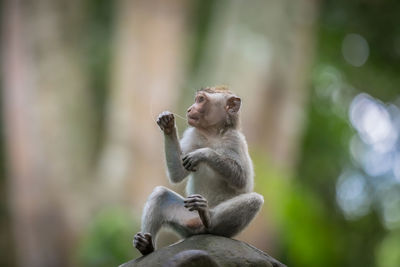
<point x="232" y="120"/>
<point x="217" y="89"/>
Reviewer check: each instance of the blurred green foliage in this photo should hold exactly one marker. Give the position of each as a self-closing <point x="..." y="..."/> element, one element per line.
<point x="107" y="238"/>
<point x="315" y="231"/>
<point x="388" y="251"/>
<point x="307" y="237"/>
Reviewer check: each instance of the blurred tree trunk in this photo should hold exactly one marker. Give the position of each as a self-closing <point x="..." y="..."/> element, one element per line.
<point x="146" y="76"/>
<point x="263" y="50"/>
<point x="47" y="116"/>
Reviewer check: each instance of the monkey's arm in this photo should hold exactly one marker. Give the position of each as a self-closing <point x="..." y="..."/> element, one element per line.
<point x="173" y="154"/>
<point x="229" y="165"/>
<point x="173" y="151"/>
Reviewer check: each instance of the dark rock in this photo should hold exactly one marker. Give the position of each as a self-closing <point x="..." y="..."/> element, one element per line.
<point x="206" y="250"/>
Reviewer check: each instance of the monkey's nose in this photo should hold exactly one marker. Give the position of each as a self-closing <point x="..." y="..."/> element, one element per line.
<point x="189" y="109"/>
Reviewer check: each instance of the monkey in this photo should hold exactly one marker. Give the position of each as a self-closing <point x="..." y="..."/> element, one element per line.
<point x="214" y="154"/>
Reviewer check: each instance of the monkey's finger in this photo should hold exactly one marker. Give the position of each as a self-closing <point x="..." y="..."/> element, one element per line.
<point x="191" y="200"/>
<point x="185" y="158"/>
<point x="165" y="120"/>
<point x="141" y="243"/>
<point x="196" y="196"/>
<point x="159" y="123"/>
<point x="196" y="204"/>
<point x="188" y="167"/>
<point x="138" y="244"/>
<point x="141" y="246"/>
<point x="192" y="209"/>
<point x="187" y="163"/>
<point x="139" y="234"/>
<point x="163" y="126"/>
<point x="188" y="160"/>
<point x="196" y="207"/>
<point x="162" y="121"/>
<point x="141" y="240"/>
<point x="188" y="197"/>
<point x="159" y="119"/>
<point x="193" y="197"/>
<point x="147" y="236"/>
<point x="139" y="237"/>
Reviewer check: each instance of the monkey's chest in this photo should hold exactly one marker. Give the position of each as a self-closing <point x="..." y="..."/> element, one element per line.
<point x="210" y="185"/>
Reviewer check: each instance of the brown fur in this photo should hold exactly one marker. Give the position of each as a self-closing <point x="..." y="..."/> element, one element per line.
<point x="217" y="89"/>
<point x="232" y="120"/>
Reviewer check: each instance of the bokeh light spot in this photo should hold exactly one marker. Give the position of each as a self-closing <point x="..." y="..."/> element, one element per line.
<point x="352" y="195"/>
<point x="355" y="49"/>
<point x="373" y="123"/>
<point x="391" y="209"/>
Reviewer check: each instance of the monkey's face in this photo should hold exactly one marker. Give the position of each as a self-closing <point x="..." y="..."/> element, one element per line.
<point x="208" y="110"/>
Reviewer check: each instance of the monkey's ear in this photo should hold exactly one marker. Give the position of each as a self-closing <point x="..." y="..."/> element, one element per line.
<point x="233" y="104"/>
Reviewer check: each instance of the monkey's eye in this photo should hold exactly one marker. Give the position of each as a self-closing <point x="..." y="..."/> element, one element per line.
<point x="200" y="99"/>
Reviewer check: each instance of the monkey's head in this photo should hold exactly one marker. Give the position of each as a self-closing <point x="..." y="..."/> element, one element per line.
<point x="214" y="107"/>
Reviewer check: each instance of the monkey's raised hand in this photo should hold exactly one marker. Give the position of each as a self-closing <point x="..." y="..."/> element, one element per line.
<point x="166" y="122"/>
<point x="199" y="203"/>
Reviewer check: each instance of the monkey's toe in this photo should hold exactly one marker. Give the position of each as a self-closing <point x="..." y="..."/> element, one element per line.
<point x="143" y="243"/>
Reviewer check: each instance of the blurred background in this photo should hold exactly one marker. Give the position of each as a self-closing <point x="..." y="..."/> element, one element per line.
<point x="83" y="81"/>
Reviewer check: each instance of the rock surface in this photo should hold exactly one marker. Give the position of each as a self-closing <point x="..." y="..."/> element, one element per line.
<point x="206" y="250"/>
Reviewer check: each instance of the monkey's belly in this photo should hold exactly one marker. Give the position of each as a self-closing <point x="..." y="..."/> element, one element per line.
<point x="210" y="185"/>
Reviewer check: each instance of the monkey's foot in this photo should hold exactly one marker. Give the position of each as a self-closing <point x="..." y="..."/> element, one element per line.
<point x="143" y="243"/>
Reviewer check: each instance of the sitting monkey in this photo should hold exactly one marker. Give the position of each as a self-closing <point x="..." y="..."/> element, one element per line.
<point x="214" y="153"/>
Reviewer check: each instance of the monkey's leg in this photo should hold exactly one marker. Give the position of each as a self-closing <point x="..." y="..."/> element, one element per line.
<point x="164" y="207"/>
<point x="233" y="215"/>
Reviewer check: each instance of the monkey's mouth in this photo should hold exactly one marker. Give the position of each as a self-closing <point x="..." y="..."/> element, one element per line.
<point x="192" y="120"/>
<point x="191" y="117"/>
